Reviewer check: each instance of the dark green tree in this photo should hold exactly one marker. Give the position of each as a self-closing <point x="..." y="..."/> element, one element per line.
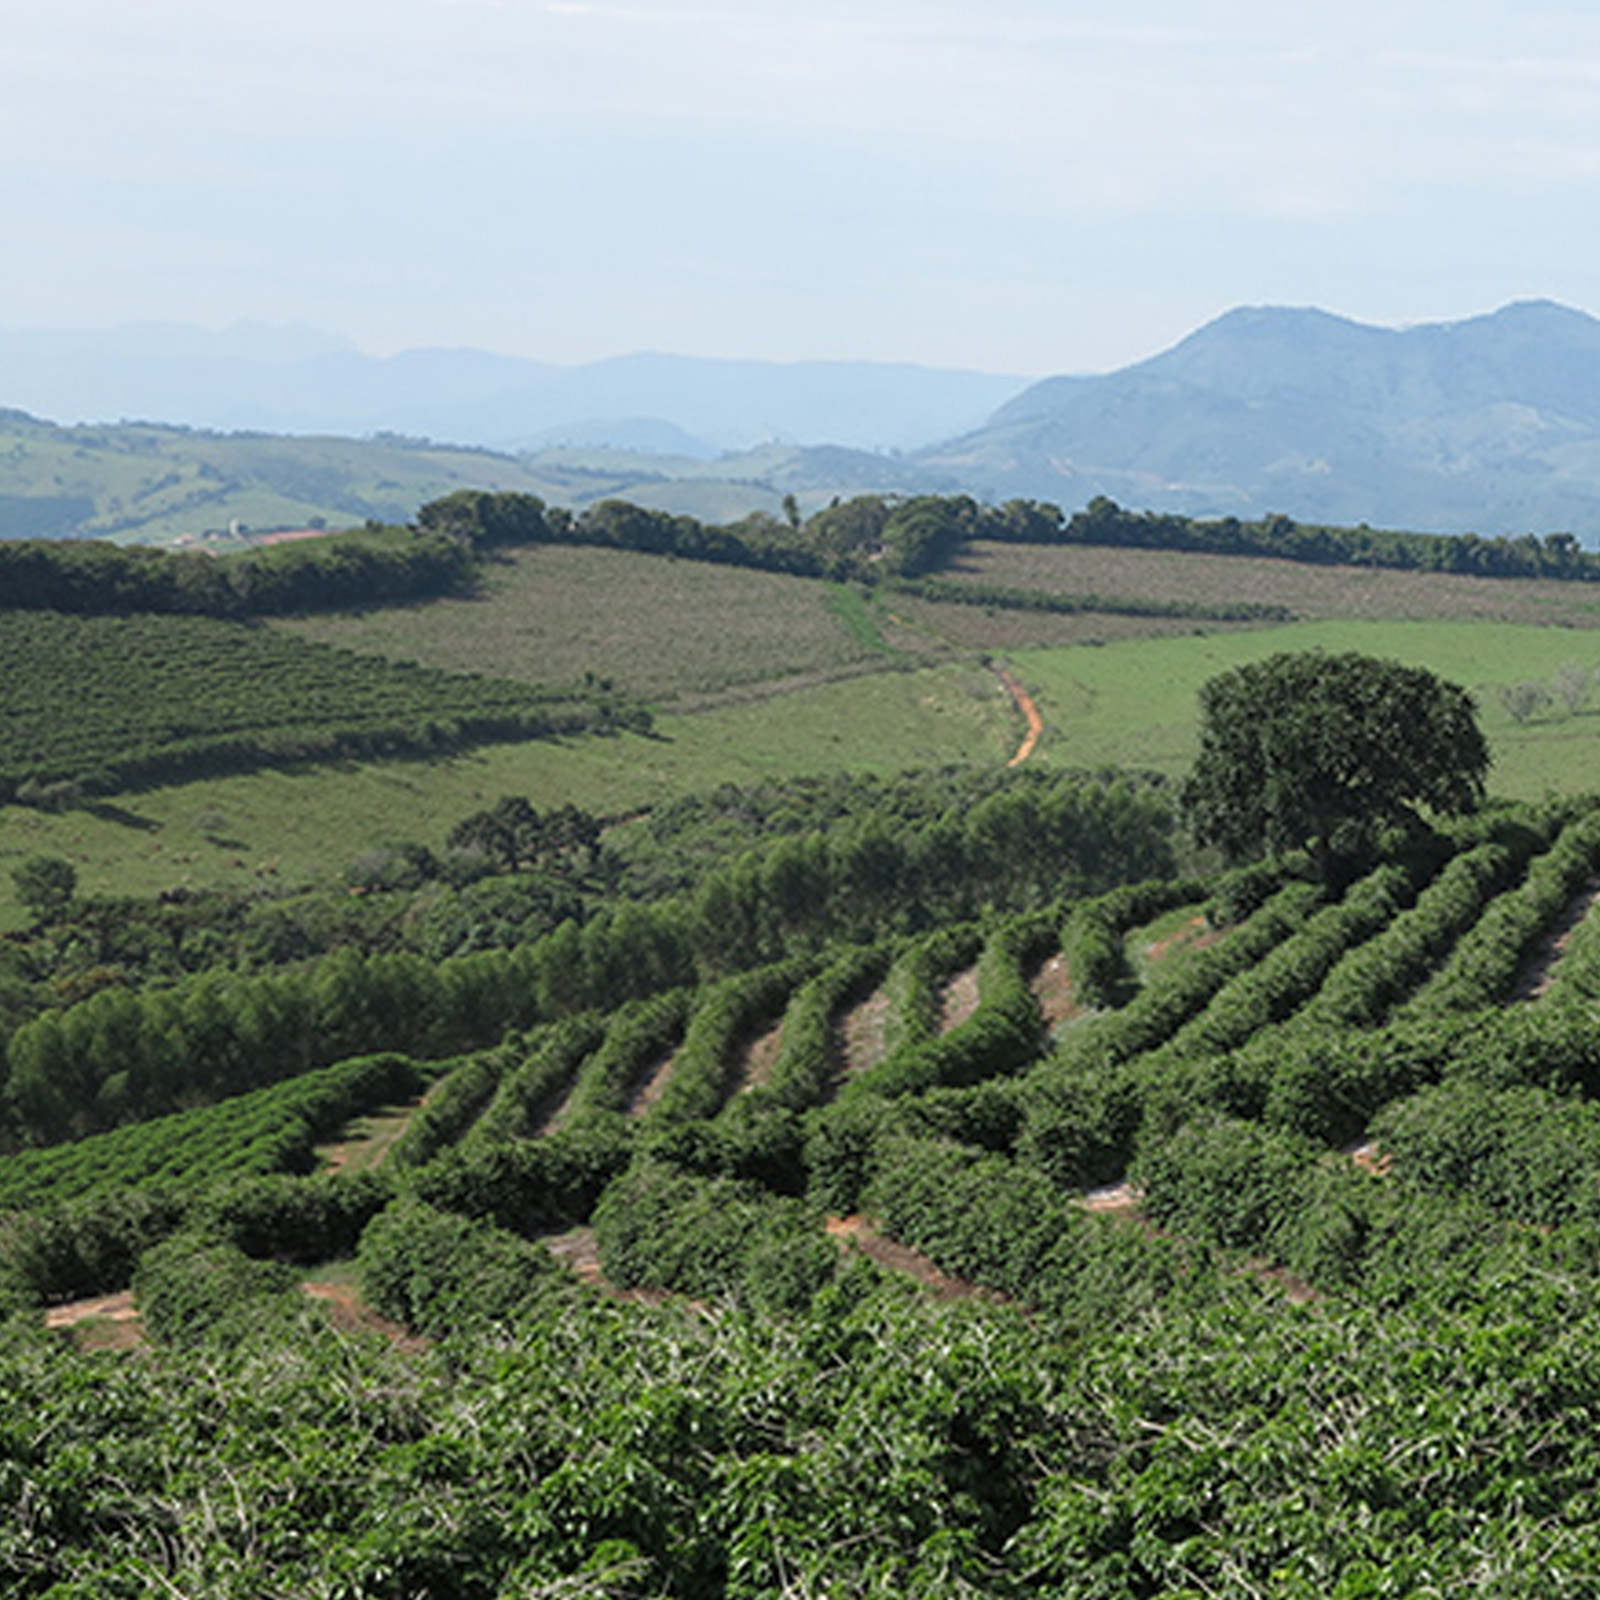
<point x="45" y="884"/>
<point x="1321" y="752"/>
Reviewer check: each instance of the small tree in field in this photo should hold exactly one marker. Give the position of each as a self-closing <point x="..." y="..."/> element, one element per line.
<point x="45" y="884"/>
<point x="1321" y="752"/>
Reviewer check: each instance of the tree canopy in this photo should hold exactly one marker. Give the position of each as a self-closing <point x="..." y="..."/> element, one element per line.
<point x="1317" y="751"/>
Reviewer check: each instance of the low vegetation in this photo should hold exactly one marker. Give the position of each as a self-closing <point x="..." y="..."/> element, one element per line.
<point x="1269" y="1267"/>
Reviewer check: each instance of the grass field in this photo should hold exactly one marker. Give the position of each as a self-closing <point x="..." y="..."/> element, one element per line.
<point x="1133" y="703"/>
<point x="764" y="675"/>
<point x="285" y="827"/>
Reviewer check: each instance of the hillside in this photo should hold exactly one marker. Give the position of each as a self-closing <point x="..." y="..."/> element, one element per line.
<point x="1488" y="425"/>
<point x="154" y="483"/>
<point x="150" y="482"/>
<point x="790" y="1147"/>
<point x="1261" y="1361"/>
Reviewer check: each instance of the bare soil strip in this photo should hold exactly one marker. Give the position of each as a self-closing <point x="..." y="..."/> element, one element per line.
<point x="350" y="1312"/>
<point x="858" y="1233"/>
<point x="1029" y="710"/>
<point x="1115" y="1200"/>
<point x="553" y="1115"/>
<point x="107" y="1308"/>
<point x="578" y="1251"/>
<point x="367" y="1140"/>
<point x="652" y="1086"/>
<point x="1539" y="972"/>
<point x="1195" y="934"/>
<point x="1123" y="1203"/>
<point x="1052" y="988"/>
<point x="113" y="1322"/>
<point x="861" y="1032"/>
<point x="960" y="999"/>
<point x="760" y="1057"/>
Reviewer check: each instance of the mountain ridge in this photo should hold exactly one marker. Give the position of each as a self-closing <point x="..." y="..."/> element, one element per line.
<point x="1488" y="424"/>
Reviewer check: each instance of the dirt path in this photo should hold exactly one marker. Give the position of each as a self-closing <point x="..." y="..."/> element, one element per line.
<point x="1539" y="971"/>
<point x="579" y="1251"/>
<point x="858" y="1233"/>
<point x="553" y="1114"/>
<point x="652" y="1086"/>
<point x="760" y="1057"/>
<point x="861" y="1032"/>
<point x="108" y="1322"/>
<point x="349" y="1312"/>
<point x="1052" y="988"/>
<point x="1124" y="1203"/>
<point x="960" y="999"/>
<point x="367" y="1140"/>
<point x="113" y="1322"/>
<point x="1030" y="711"/>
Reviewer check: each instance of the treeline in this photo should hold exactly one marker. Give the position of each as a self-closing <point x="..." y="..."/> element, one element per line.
<point x="1104" y="522"/>
<point x="869" y="538"/>
<point x="370" y="566"/>
<point x="864" y="538"/>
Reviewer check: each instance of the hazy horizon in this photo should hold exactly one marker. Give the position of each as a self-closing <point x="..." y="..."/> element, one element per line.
<point x="1024" y="188"/>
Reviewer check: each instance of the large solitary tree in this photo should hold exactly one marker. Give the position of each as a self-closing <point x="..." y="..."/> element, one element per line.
<point x="1319" y="752"/>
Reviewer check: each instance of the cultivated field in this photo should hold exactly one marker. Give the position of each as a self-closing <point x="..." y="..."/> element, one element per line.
<point x="1315" y="593"/>
<point x="764" y="675"/>
<point x="1133" y="703"/>
<point x="671" y="631"/>
<point x="296" y="824"/>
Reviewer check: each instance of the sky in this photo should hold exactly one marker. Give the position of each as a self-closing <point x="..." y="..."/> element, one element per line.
<point x="1013" y="186"/>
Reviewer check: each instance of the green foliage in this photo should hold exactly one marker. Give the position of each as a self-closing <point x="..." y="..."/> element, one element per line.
<point x="529" y="1187"/>
<point x="192" y="1290"/>
<point x="439" y="1272"/>
<point x="712" y="1238"/>
<point x="271" y="1130"/>
<point x="1324" y="752"/>
<point x="45" y="884"/>
<point x="1103" y="522"/>
<point x="1002" y="1035"/>
<point x="808" y="1057"/>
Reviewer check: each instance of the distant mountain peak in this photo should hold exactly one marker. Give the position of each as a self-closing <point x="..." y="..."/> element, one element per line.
<point x="1490" y="424"/>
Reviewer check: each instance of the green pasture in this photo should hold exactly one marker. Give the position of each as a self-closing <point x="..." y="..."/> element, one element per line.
<point x="284" y="827"/>
<point x="1134" y="703"/>
<point x="1130" y="703"/>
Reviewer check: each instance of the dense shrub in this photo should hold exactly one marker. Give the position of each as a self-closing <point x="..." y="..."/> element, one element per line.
<point x="440" y="1272"/>
<point x="712" y="1238"/>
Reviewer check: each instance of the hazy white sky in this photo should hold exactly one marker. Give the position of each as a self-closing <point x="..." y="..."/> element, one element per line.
<point x="1026" y="186"/>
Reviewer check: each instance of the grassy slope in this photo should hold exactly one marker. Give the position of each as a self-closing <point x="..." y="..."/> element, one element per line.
<point x="1134" y="702"/>
<point x="290" y="826"/>
<point x="766" y="675"/>
<point x="156" y="483"/>
<point x="660" y="628"/>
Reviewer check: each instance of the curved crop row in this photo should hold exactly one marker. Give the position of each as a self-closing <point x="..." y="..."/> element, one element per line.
<point x="272" y="1130"/>
<point x="1001" y="1036"/>
<point x="1174" y="995"/>
<point x="807" y="1065"/>
<point x="1290" y="974"/>
<point x="1092" y="941"/>
<point x="1486" y="960"/>
<point x="1376" y="975"/>
<point x="725" y="1017"/>
<point x="619" y="1052"/>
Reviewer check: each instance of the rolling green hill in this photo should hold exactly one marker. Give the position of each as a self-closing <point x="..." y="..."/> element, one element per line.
<point x="150" y="483"/>
<point x="789" y="1149"/>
